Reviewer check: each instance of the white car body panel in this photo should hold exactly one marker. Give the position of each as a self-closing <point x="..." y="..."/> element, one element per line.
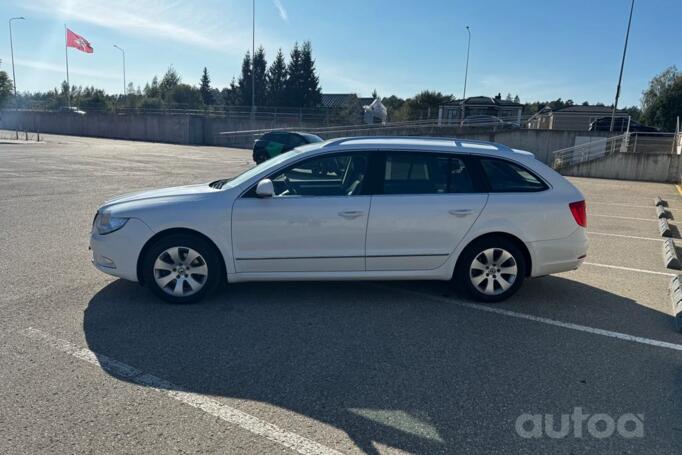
<point x="418" y="232"/>
<point x="394" y="237"/>
<point x="299" y="234"/>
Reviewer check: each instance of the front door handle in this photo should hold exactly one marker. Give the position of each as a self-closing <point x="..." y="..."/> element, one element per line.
<point x="461" y="212"/>
<point x="350" y="214"/>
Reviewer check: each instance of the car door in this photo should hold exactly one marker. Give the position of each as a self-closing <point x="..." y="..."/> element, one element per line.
<point x="427" y="204"/>
<point x="315" y="222"/>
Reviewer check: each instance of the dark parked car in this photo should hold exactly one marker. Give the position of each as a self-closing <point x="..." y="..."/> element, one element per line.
<point x="272" y="144"/>
<point x="620" y="125"/>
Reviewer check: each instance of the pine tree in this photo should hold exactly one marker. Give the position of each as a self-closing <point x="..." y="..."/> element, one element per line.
<point x="205" y="88"/>
<point x="152" y="91"/>
<point x="310" y="84"/>
<point x="293" y="87"/>
<point x="169" y="81"/>
<point x="276" y="80"/>
<point x="244" y="83"/>
<point x="231" y="95"/>
<point x="259" y="66"/>
<point x="375" y="95"/>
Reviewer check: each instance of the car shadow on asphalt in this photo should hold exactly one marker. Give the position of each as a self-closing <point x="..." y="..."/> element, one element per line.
<point x="424" y="375"/>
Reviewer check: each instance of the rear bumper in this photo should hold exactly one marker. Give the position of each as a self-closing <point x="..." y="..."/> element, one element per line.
<point x="562" y="255"/>
<point x="117" y="253"/>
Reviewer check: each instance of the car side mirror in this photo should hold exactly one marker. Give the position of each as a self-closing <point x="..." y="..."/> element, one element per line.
<point x="265" y="188"/>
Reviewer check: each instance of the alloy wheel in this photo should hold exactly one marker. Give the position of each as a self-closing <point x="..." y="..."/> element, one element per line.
<point x="180" y="271"/>
<point x="493" y="271"/>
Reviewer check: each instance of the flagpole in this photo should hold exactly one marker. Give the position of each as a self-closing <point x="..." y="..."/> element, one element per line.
<point x="68" y="82"/>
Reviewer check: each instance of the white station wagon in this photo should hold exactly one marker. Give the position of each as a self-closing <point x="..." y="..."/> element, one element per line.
<point x="371" y="208"/>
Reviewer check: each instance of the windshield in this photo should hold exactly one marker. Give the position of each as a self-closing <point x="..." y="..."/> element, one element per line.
<point x="269" y="164"/>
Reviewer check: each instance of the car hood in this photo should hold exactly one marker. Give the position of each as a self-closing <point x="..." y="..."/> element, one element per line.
<point x="162" y="195"/>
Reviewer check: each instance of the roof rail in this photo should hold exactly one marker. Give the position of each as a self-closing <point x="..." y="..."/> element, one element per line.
<point x="456" y="142"/>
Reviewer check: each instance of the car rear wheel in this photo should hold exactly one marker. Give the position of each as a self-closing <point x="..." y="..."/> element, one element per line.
<point x="181" y="268"/>
<point x="491" y="269"/>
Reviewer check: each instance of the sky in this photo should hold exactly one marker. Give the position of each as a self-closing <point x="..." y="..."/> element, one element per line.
<point x="538" y="49"/>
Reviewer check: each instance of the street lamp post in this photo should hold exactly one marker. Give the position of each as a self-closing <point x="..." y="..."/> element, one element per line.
<point x="622" y="64"/>
<point x="14" y="77"/>
<point x="466" y="73"/>
<point x="253" y="61"/>
<point x="123" y="52"/>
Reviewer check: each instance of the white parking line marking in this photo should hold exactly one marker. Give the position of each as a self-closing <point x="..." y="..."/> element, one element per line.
<point x="231" y="415"/>
<point x="590" y="202"/>
<point x="626" y="236"/>
<point x="629" y="269"/>
<point x="624" y="217"/>
<point x="543" y="320"/>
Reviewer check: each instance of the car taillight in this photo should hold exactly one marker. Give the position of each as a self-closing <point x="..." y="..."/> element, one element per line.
<point x="579" y="212"/>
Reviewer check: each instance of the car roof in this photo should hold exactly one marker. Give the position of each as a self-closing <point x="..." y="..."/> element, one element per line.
<point x="440" y="144"/>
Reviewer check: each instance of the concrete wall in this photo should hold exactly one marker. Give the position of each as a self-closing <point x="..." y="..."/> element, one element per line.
<point x="199" y="130"/>
<point x="176" y="129"/>
<point x="650" y="167"/>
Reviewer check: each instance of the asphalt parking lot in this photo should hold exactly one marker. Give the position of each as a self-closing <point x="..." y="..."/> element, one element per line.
<point x="91" y="364"/>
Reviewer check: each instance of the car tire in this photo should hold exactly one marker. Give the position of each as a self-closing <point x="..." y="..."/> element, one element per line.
<point x="181" y="268"/>
<point x="260" y="157"/>
<point x="491" y="269"/>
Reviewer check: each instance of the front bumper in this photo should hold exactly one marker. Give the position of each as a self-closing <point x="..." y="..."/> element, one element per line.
<point x="117" y="253"/>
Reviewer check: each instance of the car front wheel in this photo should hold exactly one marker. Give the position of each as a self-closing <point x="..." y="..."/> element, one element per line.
<point x="491" y="269"/>
<point x="181" y="268"/>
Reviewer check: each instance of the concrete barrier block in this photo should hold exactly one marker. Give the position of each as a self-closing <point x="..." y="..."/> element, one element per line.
<point x="660" y="202"/>
<point x="664" y="227"/>
<point x="661" y="212"/>
<point x="670" y="258"/>
<point x="676" y="300"/>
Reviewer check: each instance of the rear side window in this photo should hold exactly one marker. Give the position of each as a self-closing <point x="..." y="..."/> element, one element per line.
<point x="425" y="173"/>
<point x="507" y="177"/>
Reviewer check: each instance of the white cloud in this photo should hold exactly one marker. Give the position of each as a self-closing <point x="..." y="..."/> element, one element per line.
<point x="61" y="68"/>
<point x="175" y="21"/>
<point x="282" y="12"/>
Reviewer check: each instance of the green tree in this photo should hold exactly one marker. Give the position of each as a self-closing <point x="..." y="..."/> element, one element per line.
<point x="244" y="83"/>
<point x="169" y="81"/>
<point x="293" y="88"/>
<point x="425" y="104"/>
<point x="276" y="81"/>
<point x="310" y="82"/>
<point x="184" y="96"/>
<point x="205" y="88"/>
<point x="658" y="85"/>
<point x="393" y="106"/>
<point x="5" y="88"/>
<point x="152" y="103"/>
<point x="230" y="94"/>
<point x="92" y="99"/>
<point x="662" y="100"/>
<point x="153" y="90"/>
<point x="259" y="71"/>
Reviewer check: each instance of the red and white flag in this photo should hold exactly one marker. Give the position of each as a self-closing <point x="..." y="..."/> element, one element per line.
<point x="76" y="41"/>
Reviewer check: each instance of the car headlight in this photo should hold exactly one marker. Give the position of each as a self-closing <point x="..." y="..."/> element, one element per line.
<point x="106" y="224"/>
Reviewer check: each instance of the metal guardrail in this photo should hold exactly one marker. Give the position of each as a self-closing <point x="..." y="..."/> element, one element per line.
<point x="590" y="151"/>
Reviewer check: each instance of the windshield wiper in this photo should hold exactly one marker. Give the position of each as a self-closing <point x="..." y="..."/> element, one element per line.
<point x="218" y="184"/>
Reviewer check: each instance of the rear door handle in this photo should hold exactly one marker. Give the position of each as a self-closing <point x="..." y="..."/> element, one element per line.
<point x="350" y="214"/>
<point x="460" y="212"/>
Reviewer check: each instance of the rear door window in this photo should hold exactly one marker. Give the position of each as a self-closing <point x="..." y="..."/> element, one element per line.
<point x="425" y="173"/>
<point x="507" y="177"/>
